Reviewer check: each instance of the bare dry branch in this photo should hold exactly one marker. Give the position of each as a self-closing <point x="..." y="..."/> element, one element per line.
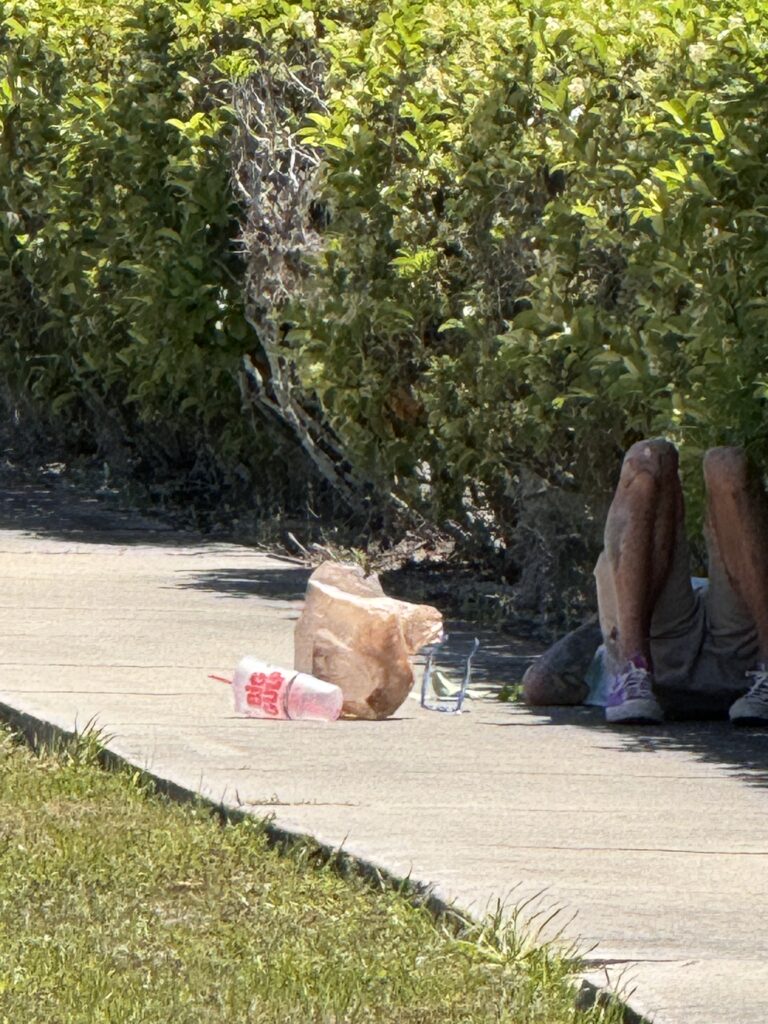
<point x="276" y="176"/>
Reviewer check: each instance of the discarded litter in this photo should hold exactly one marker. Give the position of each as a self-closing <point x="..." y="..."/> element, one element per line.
<point x="262" y="690"/>
<point x="439" y="690"/>
<point x="351" y="634"/>
<point x="353" y="650"/>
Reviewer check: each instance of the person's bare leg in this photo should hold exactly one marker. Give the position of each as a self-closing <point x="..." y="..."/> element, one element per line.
<point x="737" y="517"/>
<point x="640" y="531"/>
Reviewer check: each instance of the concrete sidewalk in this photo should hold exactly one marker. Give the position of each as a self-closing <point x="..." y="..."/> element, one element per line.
<point x="653" y="842"/>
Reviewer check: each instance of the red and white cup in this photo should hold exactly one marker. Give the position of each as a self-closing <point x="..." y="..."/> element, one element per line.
<point x="262" y="690"/>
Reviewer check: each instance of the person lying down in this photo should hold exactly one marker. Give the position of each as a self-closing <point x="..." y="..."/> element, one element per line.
<point x="667" y="645"/>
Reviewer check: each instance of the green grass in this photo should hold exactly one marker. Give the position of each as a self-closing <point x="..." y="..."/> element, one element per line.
<point x="118" y="905"/>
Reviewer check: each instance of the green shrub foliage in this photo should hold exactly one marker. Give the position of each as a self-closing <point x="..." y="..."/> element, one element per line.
<point x="121" y="283"/>
<point x="515" y="238"/>
<point x="547" y="240"/>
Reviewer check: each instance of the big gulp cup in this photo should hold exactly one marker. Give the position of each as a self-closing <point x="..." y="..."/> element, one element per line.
<point x="262" y="690"/>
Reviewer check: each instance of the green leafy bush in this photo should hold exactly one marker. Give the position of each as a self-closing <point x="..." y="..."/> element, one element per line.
<point x="488" y="244"/>
<point x="546" y="240"/>
<point x="121" y="287"/>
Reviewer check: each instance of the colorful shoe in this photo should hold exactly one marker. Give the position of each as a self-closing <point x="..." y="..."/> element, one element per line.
<point x="752" y="708"/>
<point x="631" y="700"/>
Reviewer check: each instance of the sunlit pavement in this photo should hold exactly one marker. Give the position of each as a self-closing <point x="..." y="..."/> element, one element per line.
<point x="652" y="843"/>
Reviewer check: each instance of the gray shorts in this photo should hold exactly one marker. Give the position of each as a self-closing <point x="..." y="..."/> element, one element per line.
<point x="702" y="641"/>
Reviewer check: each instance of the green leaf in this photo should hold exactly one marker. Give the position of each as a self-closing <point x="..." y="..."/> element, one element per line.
<point x="409" y="138"/>
<point x="322" y="120"/>
<point x="675" y="108"/>
<point x="718" y="132"/>
<point x="528" y="318"/>
<point x="450" y="325"/>
<point x="16" y="28"/>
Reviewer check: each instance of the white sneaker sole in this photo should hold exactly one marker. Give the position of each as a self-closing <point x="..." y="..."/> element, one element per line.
<point x="635" y="712"/>
<point x="747" y="716"/>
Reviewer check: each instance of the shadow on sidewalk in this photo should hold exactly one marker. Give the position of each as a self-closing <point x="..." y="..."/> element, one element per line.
<point x="288" y="584"/>
<point x="743" y="753"/>
<point x="500" y="661"/>
<point x="57" y="511"/>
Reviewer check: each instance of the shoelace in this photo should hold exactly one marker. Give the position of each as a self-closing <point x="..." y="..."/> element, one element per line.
<point x="636" y="683"/>
<point x="759" y="689"/>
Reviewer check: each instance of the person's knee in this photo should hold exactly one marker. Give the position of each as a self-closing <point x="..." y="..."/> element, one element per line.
<point x="649" y="489"/>
<point x="558" y="676"/>
<point x="655" y="458"/>
<point x="726" y="470"/>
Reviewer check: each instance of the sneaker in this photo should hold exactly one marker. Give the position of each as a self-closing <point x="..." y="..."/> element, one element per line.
<point x="630" y="699"/>
<point x="752" y="708"/>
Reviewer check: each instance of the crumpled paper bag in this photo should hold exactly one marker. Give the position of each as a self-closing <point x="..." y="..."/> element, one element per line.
<point x="351" y="634"/>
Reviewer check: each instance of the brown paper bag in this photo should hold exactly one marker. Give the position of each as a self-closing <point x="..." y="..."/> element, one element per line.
<point x="351" y="634"/>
